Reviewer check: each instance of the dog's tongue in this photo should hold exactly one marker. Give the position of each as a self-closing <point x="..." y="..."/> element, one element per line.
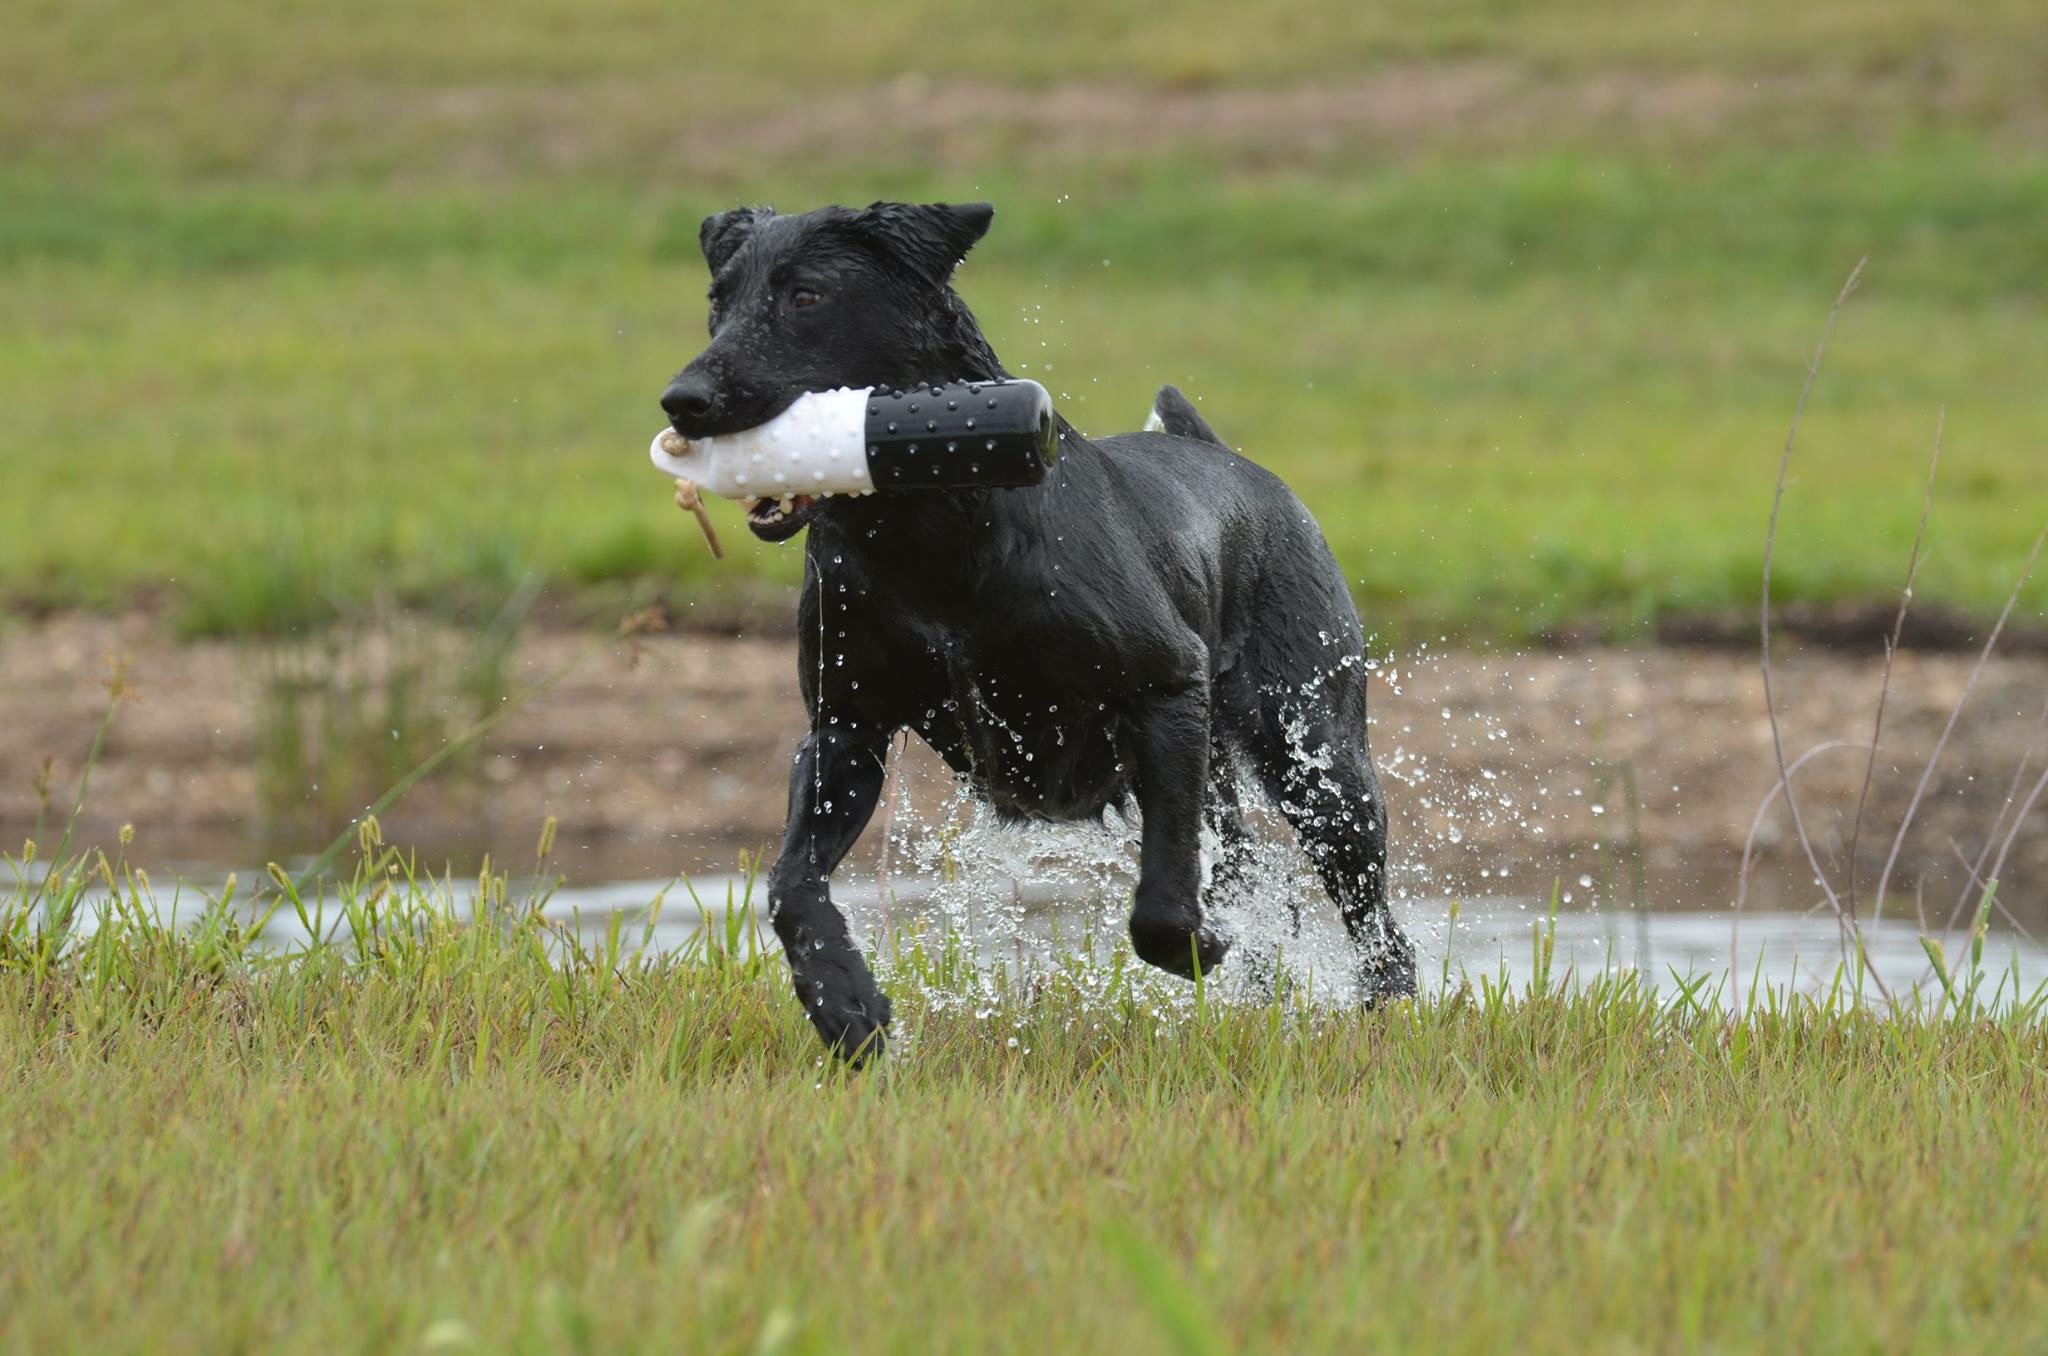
<point x="815" y="447"/>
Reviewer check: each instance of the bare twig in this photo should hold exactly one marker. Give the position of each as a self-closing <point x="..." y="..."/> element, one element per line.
<point x="1749" y="853"/>
<point x="1843" y="918"/>
<point x="1891" y="649"/>
<point x="1976" y="670"/>
<point x="1990" y="882"/>
<point x="2012" y="833"/>
<point x="691" y="500"/>
<point x="1974" y="880"/>
<point x="1978" y="881"/>
<point x="2012" y="798"/>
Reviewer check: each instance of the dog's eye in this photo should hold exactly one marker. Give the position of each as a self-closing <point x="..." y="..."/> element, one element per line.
<point x="805" y="296"/>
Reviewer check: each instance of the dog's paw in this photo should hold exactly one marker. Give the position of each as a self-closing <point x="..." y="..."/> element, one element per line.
<point x="848" y="1011"/>
<point x="855" y="1032"/>
<point x="1176" y="950"/>
<point x="1387" y="978"/>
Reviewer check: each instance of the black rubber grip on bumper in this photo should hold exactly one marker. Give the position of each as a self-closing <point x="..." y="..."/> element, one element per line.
<point x="968" y="434"/>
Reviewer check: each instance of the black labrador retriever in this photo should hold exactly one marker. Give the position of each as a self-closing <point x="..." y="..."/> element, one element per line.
<point x="1154" y="616"/>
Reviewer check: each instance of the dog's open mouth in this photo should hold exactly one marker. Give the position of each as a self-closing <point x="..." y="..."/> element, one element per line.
<point x="778" y="519"/>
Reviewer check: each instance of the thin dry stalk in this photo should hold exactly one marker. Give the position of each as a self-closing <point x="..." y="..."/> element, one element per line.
<point x="1972" y="870"/>
<point x="1891" y="649"/>
<point x="2012" y="798"/>
<point x="1843" y="918"/>
<point x="2013" y="833"/>
<point x="1976" y="670"/>
<point x="1989" y="882"/>
<point x="1749" y="855"/>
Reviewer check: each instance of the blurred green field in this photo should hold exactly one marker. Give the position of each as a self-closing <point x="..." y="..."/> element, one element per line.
<point x="314" y="305"/>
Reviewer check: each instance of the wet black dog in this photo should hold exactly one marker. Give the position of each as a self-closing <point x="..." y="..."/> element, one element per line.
<point x="1156" y="614"/>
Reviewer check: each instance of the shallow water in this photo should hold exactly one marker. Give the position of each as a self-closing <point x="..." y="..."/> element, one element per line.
<point x="1020" y="925"/>
<point x="940" y="867"/>
<point x="1494" y="937"/>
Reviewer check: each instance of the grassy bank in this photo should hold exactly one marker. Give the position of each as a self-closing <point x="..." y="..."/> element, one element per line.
<point x="427" y="1136"/>
<point x="1564" y="404"/>
<point x="310" y="309"/>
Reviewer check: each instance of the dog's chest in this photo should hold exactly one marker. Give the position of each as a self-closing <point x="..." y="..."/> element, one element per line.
<point x="1023" y="733"/>
<point x="1010" y="678"/>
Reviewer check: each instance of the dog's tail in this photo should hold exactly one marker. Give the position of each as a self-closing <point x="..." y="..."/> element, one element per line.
<point x="1174" y="413"/>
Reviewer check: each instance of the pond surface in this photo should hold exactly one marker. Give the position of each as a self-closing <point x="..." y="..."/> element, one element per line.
<point x="1019" y="923"/>
<point x="1494" y="936"/>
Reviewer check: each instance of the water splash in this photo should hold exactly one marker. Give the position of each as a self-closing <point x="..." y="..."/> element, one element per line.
<point x="998" y="884"/>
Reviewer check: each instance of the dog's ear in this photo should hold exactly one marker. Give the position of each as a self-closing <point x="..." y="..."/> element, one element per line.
<point x="931" y="237"/>
<point x="722" y="235"/>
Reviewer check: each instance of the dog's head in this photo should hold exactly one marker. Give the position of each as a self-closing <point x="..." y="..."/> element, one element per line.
<point x="835" y="297"/>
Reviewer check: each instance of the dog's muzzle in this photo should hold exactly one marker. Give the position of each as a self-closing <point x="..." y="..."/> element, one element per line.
<point x="813" y="447"/>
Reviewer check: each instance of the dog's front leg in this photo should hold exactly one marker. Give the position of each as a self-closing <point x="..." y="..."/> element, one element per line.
<point x="1173" y="771"/>
<point x="832" y="793"/>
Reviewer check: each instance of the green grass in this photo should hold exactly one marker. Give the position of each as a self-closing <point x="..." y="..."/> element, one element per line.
<point x="313" y="306"/>
<point x="428" y="1135"/>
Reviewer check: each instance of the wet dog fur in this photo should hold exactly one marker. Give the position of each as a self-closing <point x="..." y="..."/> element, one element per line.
<point x="1156" y="616"/>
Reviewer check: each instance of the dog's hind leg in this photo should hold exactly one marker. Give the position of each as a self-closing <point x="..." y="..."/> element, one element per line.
<point x="833" y="789"/>
<point x="1316" y="767"/>
<point x="1172" y="758"/>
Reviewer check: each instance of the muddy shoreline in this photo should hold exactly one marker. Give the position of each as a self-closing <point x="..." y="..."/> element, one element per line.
<point x="1506" y="771"/>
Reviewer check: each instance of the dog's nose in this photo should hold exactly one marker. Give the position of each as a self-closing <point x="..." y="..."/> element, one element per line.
<point x="687" y="398"/>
